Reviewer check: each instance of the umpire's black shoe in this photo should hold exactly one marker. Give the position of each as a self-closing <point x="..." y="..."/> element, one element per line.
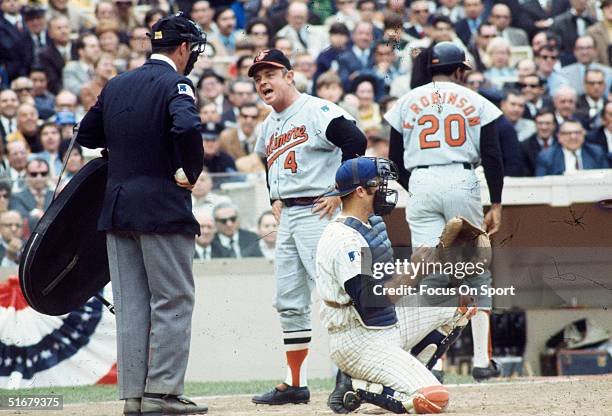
<point x="485" y="373"/>
<point x="439" y="374"/>
<point x="337" y="399"/>
<point x="284" y="394"/>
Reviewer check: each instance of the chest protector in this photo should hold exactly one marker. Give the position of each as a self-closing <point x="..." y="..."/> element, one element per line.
<point x="374" y="310"/>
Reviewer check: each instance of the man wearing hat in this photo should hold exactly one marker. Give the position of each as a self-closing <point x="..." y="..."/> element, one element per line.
<point x="302" y="142"/>
<point x="148" y="120"/>
<point x="36" y="22"/>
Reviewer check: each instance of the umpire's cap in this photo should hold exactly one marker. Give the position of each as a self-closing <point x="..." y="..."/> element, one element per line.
<point x="447" y="54"/>
<point x="176" y="29"/>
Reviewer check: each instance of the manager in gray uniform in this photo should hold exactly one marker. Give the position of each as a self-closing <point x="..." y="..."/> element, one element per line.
<point x="148" y="120"/>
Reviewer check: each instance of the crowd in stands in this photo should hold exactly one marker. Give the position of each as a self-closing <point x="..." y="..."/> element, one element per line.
<point x="546" y="63"/>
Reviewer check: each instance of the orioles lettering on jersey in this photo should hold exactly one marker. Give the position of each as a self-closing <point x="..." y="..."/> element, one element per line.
<point x="279" y="144"/>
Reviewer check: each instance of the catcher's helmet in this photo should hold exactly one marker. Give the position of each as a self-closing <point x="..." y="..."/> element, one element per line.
<point x="447" y="54"/>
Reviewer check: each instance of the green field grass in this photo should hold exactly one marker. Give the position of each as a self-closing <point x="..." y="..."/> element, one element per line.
<point x="82" y="394"/>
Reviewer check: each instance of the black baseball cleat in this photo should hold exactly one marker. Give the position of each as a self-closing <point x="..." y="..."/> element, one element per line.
<point x="485" y="373"/>
<point x="439" y="374"/>
<point x="343" y="399"/>
<point x="284" y="394"/>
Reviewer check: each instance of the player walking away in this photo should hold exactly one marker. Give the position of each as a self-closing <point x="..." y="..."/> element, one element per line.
<point x="303" y="140"/>
<point x="440" y="132"/>
<point x="374" y="344"/>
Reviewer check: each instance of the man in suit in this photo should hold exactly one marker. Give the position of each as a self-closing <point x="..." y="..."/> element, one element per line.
<point x="467" y="27"/>
<point x="546" y="59"/>
<point x="599" y="32"/>
<point x="148" y="120"/>
<point x="78" y="72"/>
<point x="590" y="105"/>
<point x="485" y="33"/>
<point x="602" y="136"/>
<point x="210" y="87"/>
<point x="11" y="241"/>
<point x="359" y="57"/>
<point x="37" y="39"/>
<point x="12" y="33"/>
<point x="510" y="148"/>
<point x="419" y="17"/>
<point x="572" y="24"/>
<point x="564" y="102"/>
<point x="239" y="141"/>
<point x="536" y="15"/>
<point x="9" y="101"/>
<point x="298" y="31"/>
<point x="513" y="106"/>
<point x="17" y="156"/>
<point x="543" y="138"/>
<point x="203" y="248"/>
<point x="532" y="88"/>
<point x="36" y="196"/>
<point x="584" y="51"/>
<point x="231" y="240"/>
<point x="241" y="92"/>
<point x="572" y="154"/>
<point x="501" y="17"/>
<point x="59" y="51"/>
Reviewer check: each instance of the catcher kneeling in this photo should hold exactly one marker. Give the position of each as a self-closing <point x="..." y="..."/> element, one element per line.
<point x="382" y="344"/>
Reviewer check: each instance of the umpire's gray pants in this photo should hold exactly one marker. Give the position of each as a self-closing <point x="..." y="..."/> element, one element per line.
<point x="154" y="293"/>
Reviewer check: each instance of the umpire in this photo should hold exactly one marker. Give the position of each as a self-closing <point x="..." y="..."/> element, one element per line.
<point x="148" y="120"/>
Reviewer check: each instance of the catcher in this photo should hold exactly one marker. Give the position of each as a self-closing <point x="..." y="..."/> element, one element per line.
<point x="380" y="349"/>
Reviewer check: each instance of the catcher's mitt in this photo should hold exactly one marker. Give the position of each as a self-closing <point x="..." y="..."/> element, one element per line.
<point x="462" y="241"/>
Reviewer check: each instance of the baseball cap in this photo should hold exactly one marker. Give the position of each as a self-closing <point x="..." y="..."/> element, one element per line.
<point x="353" y="173"/>
<point x="269" y="57"/>
<point x="65" y="117"/>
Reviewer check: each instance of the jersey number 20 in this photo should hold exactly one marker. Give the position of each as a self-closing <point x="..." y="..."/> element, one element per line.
<point x="290" y="162"/>
<point x="434" y="126"/>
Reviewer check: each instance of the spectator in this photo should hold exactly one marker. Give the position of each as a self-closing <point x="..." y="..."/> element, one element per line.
<point x="75" y="160"/>
<point x="210" y="87"/>
<point x="285" y="45"/>
<point x="241" y="92"/>
<point x="108" y="34"/>
<point x="104" y="10"/>
<point x="393" y="32"/>
<point x="500" y="70"/>
<point x="585" y="54"/>
<point x="203" y="14"/>
<point x="76" y="73"/>
<point x="329" y="87"/>
<point x="513" y="107"/>
<point x="12" y="34"/>
<point x="485" y="33"/>
<point x="211" y="119"/>
<point x="216" y="160"/>
<point x="564" y="102"/>
<point x="419" y="16"/>
<point x="467" y="28"/>
<point x="359" y="58"/>
<point x="230" y="240"/>
<point x="5" y="194"/>
<point x="370" y="118"/>
<point x="346" y="13"/>
<point x="367" y="13"/>
<point x="225" y="40"/>
<point x="590" y="105"/>
<point x="510" y="148"/>
<point x="339" y="36"/>
<point x="525" y="67"/>
<point x="44" y="100"/>
<point x="572" y="24"/>
<point x="543" y="138"/>
<point x="124" y="10"/>
<point x="59" y="51"/>
<point x="140" y="43"/>
<point x="258" y="33"/>
<point x="203" y="249"/>
<point x="532" y="89"/>
<point x="23" y="87"/>
<point x="9" y="102"/>
<point x="572" y="155"/>
<point x="27" y="128"/>
<point x="298" y="32"/>
<point x="546" y="60"/>
<point x="202" y="197"/>
<point x="304" y="63"/>
<point x="501" y="17"/>
<point x="239" y="141"/>
<point x="50" y="138"/>
<point x="242" y="66"/>
<point x="76" y="18"/>
<point x="475" y="80"/>
<point x="451" y="9"/>
<point x="17" y="155"/>
<point x="66" y="121"/>
<point x="135" y="61"/>
<point x="152" y="17"/>
<point x="602" y="136"/>
<point x="104" y="70"/>
<point x="600" y="33"/>
<point x="11" y="244"/>
<point x="35" y="20"/>
<point x="535" y="15"/>
<point x="266" y="229"/>
<point x="378" y="146"/>
<point x="36" y="197"/>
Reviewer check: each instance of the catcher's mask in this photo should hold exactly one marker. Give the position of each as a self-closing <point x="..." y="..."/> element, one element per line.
<point x="176" y="29"/>
<point x="368" y="172"/>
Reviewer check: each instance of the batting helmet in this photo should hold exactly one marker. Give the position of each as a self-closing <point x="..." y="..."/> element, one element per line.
<point x="447" y="54"/>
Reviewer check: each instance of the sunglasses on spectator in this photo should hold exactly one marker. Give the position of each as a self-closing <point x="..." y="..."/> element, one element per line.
<point x="550" y="57"/>
<point x="524" y="85"/>
<point x="35" y="174"/>
<point x="226" y="220"/>
<point x="594" y="82"/>
<point x="422" y="11"/>
<point x="488" y="36"/>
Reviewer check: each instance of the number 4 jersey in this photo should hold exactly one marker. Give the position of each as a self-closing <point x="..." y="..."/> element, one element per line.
<point x="440" y="123"/>
<point x="301" y="161"/>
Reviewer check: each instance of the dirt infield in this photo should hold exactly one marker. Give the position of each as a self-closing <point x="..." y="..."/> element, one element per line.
<point x="546" y="396"/>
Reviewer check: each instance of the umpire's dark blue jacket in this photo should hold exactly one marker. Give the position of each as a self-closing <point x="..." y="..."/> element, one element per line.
<point x="148" y="120"/>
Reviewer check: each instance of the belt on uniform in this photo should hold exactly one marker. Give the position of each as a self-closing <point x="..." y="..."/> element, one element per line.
<point x="466" y="165"/>
<point x="300" y="201"/>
